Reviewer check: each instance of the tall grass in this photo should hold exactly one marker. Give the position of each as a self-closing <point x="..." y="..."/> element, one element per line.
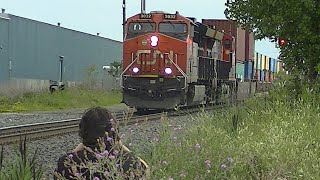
<point x="265" y="138"/>
<point x="22" y="167"/>
<point x="66" y="99"/>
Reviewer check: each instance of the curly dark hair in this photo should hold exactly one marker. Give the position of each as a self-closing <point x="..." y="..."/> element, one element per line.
<point x="94" y="124"/>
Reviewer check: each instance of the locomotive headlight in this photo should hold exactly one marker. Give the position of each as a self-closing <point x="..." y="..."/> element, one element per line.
<point x="154" y="41"/>
<point x="135" y="70"/>
<point x="168" y="70"/>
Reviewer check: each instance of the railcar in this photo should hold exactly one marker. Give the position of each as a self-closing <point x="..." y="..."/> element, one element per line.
<point x="171" y="61"/>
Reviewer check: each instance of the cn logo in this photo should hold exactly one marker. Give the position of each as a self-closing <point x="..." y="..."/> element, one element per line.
<point x="156" y="54"/>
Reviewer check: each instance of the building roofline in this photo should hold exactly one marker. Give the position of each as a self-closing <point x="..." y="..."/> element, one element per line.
<point x="64" y="28"/>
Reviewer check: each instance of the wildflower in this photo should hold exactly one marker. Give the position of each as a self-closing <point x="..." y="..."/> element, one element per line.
<point x="175" y="137"/>
<point x="223" y="167"/>
<point x="78" y="174"/>
<point x="131" y="130"/>
<point x="170" y="178"/>
<point x="109" y="139"/>
<point x="112" y="157"/>
<point x="115" y="152"/>
<point x="208" y="163"/>
<point x="111" y="120"/>
<point x="197" y="146"/>
<point x="136" y="124"/>
<point x="122" y="136"/>
<point x="130" y="144"/>
<point x="155" y="139"/>
<point x="182" y="175"/>
<point x="112" y="129"/>
<point x="164" y="162"/>
<point x="104" y="153"/>
<point x="99" y="155"/>
<point x="70" y="155"/>
<point x="175" y="129"/>
<point x="230" y="159"/>
<point x="96" y="178"/>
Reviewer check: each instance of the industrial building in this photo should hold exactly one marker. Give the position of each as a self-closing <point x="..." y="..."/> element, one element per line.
<point x="33" y="52"/>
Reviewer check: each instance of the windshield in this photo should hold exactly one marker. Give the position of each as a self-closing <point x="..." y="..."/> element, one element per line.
<point x="176" y="30"/>
<point x="139" y="28"/>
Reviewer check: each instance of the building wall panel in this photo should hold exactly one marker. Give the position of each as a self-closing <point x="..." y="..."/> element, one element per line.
<point x="4" y="49"/>
<point x="36" y="47"/>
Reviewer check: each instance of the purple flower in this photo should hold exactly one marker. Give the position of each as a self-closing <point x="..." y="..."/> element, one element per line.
<point x="104" y="153"/>
<point x="112" y="157"/>
<point x="122" y="136"/>
<point x="111" y="120"/>
<point x="115" y="152"/>
<point x="99" y="156"/>
<point x="78" y="174"/>
<point x="109" y="139"/>
<point x="112" y="129"/>
<point x="70" y="155"/>
<point x="96" y="178"/>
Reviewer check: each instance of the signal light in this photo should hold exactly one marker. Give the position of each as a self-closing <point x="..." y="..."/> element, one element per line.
<point x="282" y="42"/>
<point x="154" y="41"/>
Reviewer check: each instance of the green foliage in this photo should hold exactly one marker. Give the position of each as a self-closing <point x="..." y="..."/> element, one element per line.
<point x="294" y="20"/>
<point x="115" y="70"/>
<point x="23" y="167"/>
<point x="72" y="97"/>
<point x="266" y="138"/>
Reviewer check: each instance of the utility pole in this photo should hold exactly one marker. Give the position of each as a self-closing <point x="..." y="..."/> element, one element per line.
<point x="124" y="17"/>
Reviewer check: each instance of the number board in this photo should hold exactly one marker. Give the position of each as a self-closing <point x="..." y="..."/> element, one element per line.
<point x="170" y="16"/>
<point x="145" y="16"/>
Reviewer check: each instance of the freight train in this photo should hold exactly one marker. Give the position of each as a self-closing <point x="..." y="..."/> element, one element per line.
<point x="170" y="61"/>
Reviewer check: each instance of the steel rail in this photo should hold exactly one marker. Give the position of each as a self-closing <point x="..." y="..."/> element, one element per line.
<point x="13" y="134"/>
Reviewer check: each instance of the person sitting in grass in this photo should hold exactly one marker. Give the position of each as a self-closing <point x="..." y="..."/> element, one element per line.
<point x="101" y="155"/>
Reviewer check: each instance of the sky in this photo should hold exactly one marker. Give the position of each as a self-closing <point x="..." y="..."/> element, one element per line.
<point x="105" y="16"/>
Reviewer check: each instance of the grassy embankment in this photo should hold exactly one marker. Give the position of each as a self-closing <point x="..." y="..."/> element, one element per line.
<point x="67" y="99"/>
<point x="265" y="138"/>
<point x="273" y="138"/>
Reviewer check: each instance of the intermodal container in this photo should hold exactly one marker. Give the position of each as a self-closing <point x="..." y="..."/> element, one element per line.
<point x="266" y="65"/>
<point x="263" y="62"/>
<point x="240" y="70"/>
<point x="243" y="39"/>
<point x="267" y="78"/>
<point x="248" y="69"/>
<point x="258" y="75"/>
<point x="272" y="65"/>
<point x="259" y="66"/>
<point x="262" y="75"/>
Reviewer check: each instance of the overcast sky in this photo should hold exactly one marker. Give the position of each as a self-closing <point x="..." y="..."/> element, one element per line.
<point x="105" y="16"/>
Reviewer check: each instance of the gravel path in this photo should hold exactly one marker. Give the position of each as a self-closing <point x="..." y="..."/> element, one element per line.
<point x="136" y="137"/>
<point x="13" y="119"/>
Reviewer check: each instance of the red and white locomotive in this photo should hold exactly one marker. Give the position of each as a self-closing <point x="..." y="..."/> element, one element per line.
<point x="170" y="60"/>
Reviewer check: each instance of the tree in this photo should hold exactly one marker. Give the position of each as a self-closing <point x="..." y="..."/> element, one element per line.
<point x="115" y="69"/>
<point x="297" y="21"/>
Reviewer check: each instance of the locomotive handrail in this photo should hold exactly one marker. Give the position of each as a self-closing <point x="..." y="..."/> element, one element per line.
<point x="180" y="70"/>
<point x="126" y="71"/>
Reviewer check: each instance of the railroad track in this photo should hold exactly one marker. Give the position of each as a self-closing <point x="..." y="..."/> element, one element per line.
<point x="13" y="134"/>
